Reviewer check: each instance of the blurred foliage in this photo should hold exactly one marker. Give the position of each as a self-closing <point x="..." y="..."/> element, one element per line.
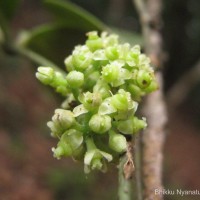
<point x="73" y="184"/>
<point x="53" y="42"/>
<point x="73" y="16"/>
<point x="56" y="40"/>
<point x="8" y="8"/>
<point x="69" y="184"/>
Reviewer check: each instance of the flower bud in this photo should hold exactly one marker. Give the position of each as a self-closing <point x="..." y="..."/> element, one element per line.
<point x="120" y="102"/>
<point x="49" y="76"/>
<point x="117" y="142"/>
<point x="45" y="75"/>
<point x="135" y="91"/>
<point x="112" y="53"/>
<point x="139" y="124"/>
<point x="131" y="126"/>
<point x="94" y="42"/>
<point x="81" y="58"/>
<point x="100" y="123"/>
<point x="68" y="64"/>
<point x="110" y="72"/>
<point x="75" y="79"/>
<point x="63" y="119"/>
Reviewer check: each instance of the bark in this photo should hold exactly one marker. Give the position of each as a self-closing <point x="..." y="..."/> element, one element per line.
<point x="154" y="106"/>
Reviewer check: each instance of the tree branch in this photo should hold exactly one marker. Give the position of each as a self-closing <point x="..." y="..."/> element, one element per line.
<point x="126" y="169"/>
<point x="154" y="107"/>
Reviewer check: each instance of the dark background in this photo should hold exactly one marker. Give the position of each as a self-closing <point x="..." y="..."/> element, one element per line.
<point x="28" y="170"/>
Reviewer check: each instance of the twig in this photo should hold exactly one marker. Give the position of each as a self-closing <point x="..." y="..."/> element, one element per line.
<point x="154" y="107"/>
<point x="153" y="142"/>
<point x="138" y="171"/>
<point x="126" y="169"/>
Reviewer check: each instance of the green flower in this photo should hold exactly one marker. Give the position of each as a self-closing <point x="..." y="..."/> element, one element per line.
<point x="91" y="101"/>
<point x="115" y="74"/>
<point x="106" y="107"/>
<point x="122" y="101"/>
<point x="95" y="158"/>
<point x="69" y="143"/>
<point x="124" y="50"/>
<point x="79" y="110"/>
<point x="112" y="52"/>
<point x="133" y="56"/>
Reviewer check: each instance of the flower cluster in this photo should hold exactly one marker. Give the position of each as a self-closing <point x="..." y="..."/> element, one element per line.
<point x="104" y="83"/>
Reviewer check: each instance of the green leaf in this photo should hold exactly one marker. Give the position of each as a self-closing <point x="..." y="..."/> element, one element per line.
<point x="73" y="16"/>
<point x="8" y="7"/>
<point x="54" y="41"/>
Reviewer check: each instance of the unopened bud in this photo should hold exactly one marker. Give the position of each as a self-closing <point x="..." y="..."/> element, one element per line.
<point x="75" y="79"/>
<point x="100" y="123"/>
